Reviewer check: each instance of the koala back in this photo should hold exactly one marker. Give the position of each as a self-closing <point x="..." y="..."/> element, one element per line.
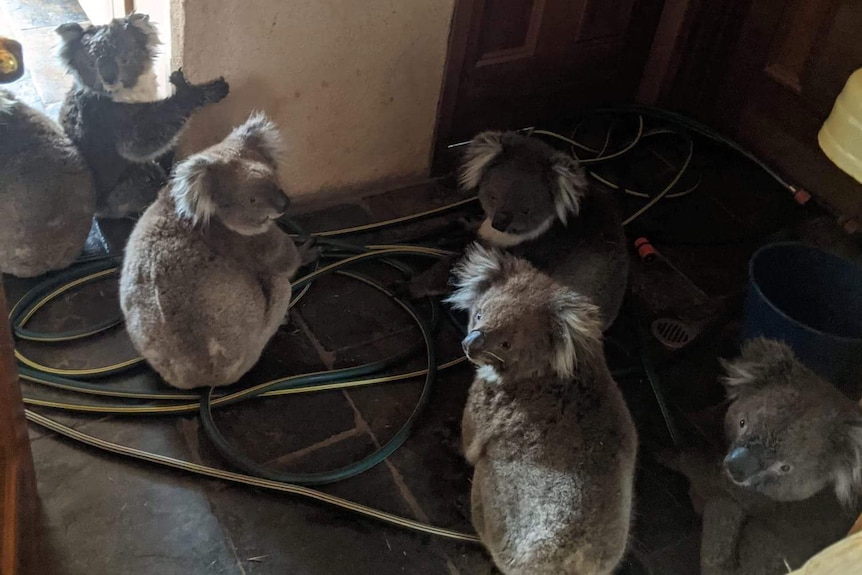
<point x="47" y="196"/>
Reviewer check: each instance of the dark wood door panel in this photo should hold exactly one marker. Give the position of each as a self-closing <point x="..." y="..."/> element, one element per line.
<point x="514" y="62"/>
<point x="769" y="75"/>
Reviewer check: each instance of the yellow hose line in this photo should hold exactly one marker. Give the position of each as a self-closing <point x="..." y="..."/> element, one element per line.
<point x="243" y="479"/>
<point x="366" y="227"/>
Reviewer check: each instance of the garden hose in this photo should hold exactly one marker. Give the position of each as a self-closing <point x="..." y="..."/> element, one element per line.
<point x="346" y="255"/>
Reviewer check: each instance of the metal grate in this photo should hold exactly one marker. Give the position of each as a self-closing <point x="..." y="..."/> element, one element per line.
<point x="672" y="333"/>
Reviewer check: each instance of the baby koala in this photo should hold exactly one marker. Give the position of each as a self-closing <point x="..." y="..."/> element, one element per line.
<point x="206" y="278"/>
<point x="47" y="196"/>
<point x="538" y="206"/>
<point x="788" y="485"/>
<point x="113" y="115"/>
<point x="546" y="428"/>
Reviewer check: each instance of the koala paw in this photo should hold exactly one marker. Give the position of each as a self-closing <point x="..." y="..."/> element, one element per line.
<point x="471" y="223"/>
<point x="309" y="252"/>
<point x="178" y="79"/>
<point x="215" y="91"/>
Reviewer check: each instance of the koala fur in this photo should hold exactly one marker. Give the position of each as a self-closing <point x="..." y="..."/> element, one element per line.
<point x="538" y="206"/>
<point x="112" y="113"/>
<point x="47" y="198"/>
<point x="206" y="278"/>
<point x="788" y="485"/>
<point x="546" y="428"/>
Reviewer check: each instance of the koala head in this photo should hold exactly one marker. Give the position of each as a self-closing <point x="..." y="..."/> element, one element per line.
<point x="524" y="185"/>
<point x="522" y="323"/>
<point x="111" y="58"/>
<point x="235" y="181"/>
<point x="790" y="432"/>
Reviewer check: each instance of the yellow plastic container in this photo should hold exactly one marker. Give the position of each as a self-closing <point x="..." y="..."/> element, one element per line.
<point x="840" y="137"/>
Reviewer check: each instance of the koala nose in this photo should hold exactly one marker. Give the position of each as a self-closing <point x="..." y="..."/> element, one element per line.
<point x="474" y="341"/>
<point x="107" y="70"/>
<point x="501" y="221"/>
<point x="741" y="463"/>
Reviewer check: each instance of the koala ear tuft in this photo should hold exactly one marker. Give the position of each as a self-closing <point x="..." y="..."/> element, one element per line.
<point x="578" y="331"/>
<point x="143" y="24"/>
<point x="481" y="152"/>
<point x="569" y="185"/>
<point x="757" y="357"/>
<point x="70" y="32"/>
<point x="192" y="190"/>
<point x="474" y="274"/>
<point x="847" y="470"/>
<point x="261" y="135"/>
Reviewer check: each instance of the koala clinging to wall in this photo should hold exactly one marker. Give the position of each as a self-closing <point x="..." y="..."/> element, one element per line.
<point x="112" y="113"/>
<point x="47" y="196"/>
<point x="206" y="278"/>
<point x="546" y="428"/>
<point x="788" y="485"/>
<point x="538" y="206"/>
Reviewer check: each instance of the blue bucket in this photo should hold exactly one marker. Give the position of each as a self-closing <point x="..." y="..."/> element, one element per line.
<point x="812" y="300"/>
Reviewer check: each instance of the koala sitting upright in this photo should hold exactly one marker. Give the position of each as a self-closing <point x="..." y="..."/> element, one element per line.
<point x="111" y="113"/>
<point x="538" y="206"/>
<point x="788" y="484"/>
<point x="545" y="427"/>
<point x="47" y="196"/>
<point x="206" y="278"/>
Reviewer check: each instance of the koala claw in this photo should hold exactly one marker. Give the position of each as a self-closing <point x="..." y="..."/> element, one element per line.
<point x="309" y="252"/>
<point x="178" y="79"/>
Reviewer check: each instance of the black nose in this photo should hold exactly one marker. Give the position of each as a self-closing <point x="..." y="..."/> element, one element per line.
<point x="741" y="464"/>
<point x="107" y="70"/>
<point x="501" y="221"/>
<point x="474" y="341"/>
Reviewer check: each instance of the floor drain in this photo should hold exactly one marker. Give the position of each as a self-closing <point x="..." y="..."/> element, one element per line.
<point x="672" y="333"/>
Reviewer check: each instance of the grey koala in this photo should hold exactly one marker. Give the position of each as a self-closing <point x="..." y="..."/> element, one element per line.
<point x="788" y="485"/>
<point x="206" y="278"/>
<point x="538" y="206"/>
<point x="112" y="115"/>
<point x="546" y="428"/>
<point x="47" y="198"/>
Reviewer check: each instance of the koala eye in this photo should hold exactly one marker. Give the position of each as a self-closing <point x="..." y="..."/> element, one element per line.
<point x="478" y="316"/>
<point x="506" y="345"/>
<point x="252" y="200"/>
<point x="525" y="212"/>
<point x="742" y="423"/>
<point x="785" y="468"/>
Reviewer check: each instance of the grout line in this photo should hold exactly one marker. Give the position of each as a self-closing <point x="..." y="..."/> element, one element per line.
<point x="300" y="453"/>
<point x="327" y="357"/>
<point x="403" y="490"/>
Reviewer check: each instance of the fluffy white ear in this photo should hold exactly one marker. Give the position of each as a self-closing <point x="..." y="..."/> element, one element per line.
<point x="261" y="135"/>
<point x="757" y="356"/>
<point x="847" y="473"/>
<point x="480" y="153"/>
<point x="474" y="274"/>
<point x="578" y="331"/>
<point x="142" y="23"/>
<point x="569" y="185"/>
<point x="192" y="190"/>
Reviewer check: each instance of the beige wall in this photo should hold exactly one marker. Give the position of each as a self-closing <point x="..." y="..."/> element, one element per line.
<point x="353" y="84"/>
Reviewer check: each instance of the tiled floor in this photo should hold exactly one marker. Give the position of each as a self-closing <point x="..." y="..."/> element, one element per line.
<point x="105" y="515"/>
<point x="32" y="22"/>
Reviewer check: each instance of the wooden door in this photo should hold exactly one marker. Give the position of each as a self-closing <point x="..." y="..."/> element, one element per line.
<point x="18" y="500"/>
<point x="767" y="72"/>
<point x="512" y="63"/>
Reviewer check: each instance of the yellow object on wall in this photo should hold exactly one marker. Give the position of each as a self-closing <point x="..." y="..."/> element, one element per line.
<point x="840" y="137"/>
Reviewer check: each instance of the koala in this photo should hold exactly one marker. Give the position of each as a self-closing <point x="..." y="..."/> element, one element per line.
<point x="545" y="427"/>
<point x="47" y="196"/>
<point x="205" y="282"/>
<point x="112" y="115"/>
<point x="788" y="484"/>
<point x="538" y="206"/>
